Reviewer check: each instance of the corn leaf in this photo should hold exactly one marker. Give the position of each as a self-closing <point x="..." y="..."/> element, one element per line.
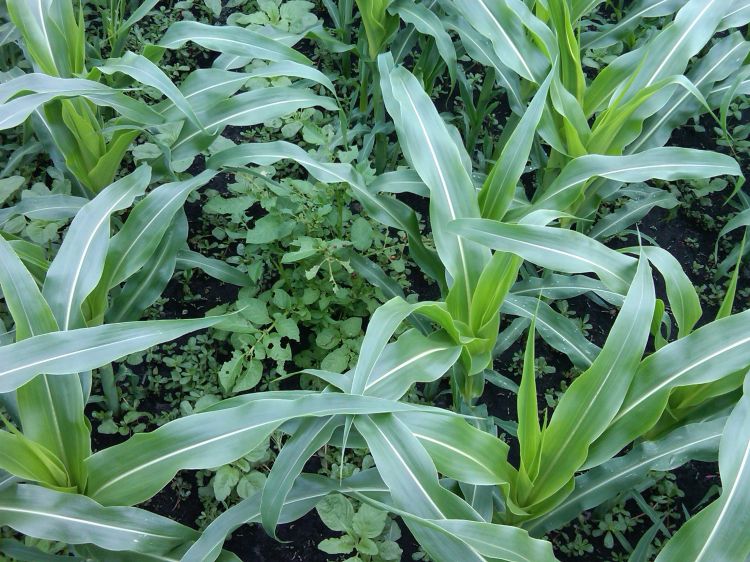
<point x="187" y="259"/>
<point x="698" y="441"/>
<point x="713" y="534"/>
<point x="557" y="330"/>
<point x="710" y="353"/>
<point x="437" y="159"/>
<point x="553" y="248"/>
<point x="592" y="400"/>
<point x="148" y="461"/>
<point x="76" y="519"/>
<point x="233" y="40"/>
<point x="505" y="29"/>
<point x="311" y="435"/>
<point x="146" y="72"/>
<point x="83" y="349"/>
<point x="77" y="269"/>
<point x="50" y="408"/>
<point x="143" y="288"/>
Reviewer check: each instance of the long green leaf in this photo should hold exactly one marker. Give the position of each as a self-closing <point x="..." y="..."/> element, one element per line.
<point x="78" y="266"/>
<point x="460" y="450"/>
<point x="72" y="351"/>
<point x="606" y="35"/>
<point x="722" y="60"/>
<point x="148" y="461"/>
<point x="50" y="408"/>
<point x="187" y="259"/>
<point x="76" y="519"/>
<point x="498" y="190"/>
<point x="555" y="286"/>
<point x="139" y="237"/>
<point x="661" y="163"/>
<point x="381" y="328"/>
<point x="412" y="358"/>
<point x="553" y="248"/>
<point x="716" y="532"/>
<point x="47" y="88"/>
<point x="230" y="39"/>
<point x="248" y="108"/>
<point x="505" y="29"/>
<point x="557" y="330"/>
<point x="436" y="158"/>
<point x="47" y="207"/>
<point x="411" y="477"/>
<point x="631" y="212"/>
<point x="311" y="435"/>
<point x="669" y="53"/>
<point x="146" y="72"/>
<point x="52" y="36"/>
<point x="480" y="49"/>
<point x="683" y="298"/>
<point x="22" y="457"/>
<point x="428" y="23"/>
<point x="146" y="285"/>
<point x="23" y="553"/>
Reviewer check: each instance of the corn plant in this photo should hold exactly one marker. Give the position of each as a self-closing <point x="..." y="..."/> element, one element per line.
<point x="616" y="121"/>
<point x="61" y="338"/>
<point x="54" y="41"/>
<point x="62" y="96"/>
<point x="381" y="30"/>
<point x="479" y="281"/>
<point x="378" y="23"/>
<point x="119" y="16"/>
<point x="619" y="398"/>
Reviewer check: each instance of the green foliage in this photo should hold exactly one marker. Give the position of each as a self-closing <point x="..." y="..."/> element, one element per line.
<point x="369" y="534"/>
<point x="452" y="174"/>
<point x="379" y="24"/>
<point x="302" y="280"/>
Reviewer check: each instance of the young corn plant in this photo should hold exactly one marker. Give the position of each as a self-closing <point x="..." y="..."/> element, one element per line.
<point x="65" y="100"/>
<point x="485" y="506"/>
<point x="60" y="339"/>
<point x="118" y="17"/>
<point x="54" y="40"/>
<point x="611" y="130"/>
<point x="424" y="40"/>
<point x="481" y="283"/>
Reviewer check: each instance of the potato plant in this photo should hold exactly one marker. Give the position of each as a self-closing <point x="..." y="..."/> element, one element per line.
<point x="381" y="211"/>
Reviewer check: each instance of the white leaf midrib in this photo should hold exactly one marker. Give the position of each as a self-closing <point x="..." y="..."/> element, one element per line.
<point x="669" y="380"/>
<point x="726" y="501"/>
<point x="679" y="42"/>
<point x="444" y="188"/>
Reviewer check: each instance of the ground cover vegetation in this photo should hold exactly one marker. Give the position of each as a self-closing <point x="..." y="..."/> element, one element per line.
<point x="367" y="280"/>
